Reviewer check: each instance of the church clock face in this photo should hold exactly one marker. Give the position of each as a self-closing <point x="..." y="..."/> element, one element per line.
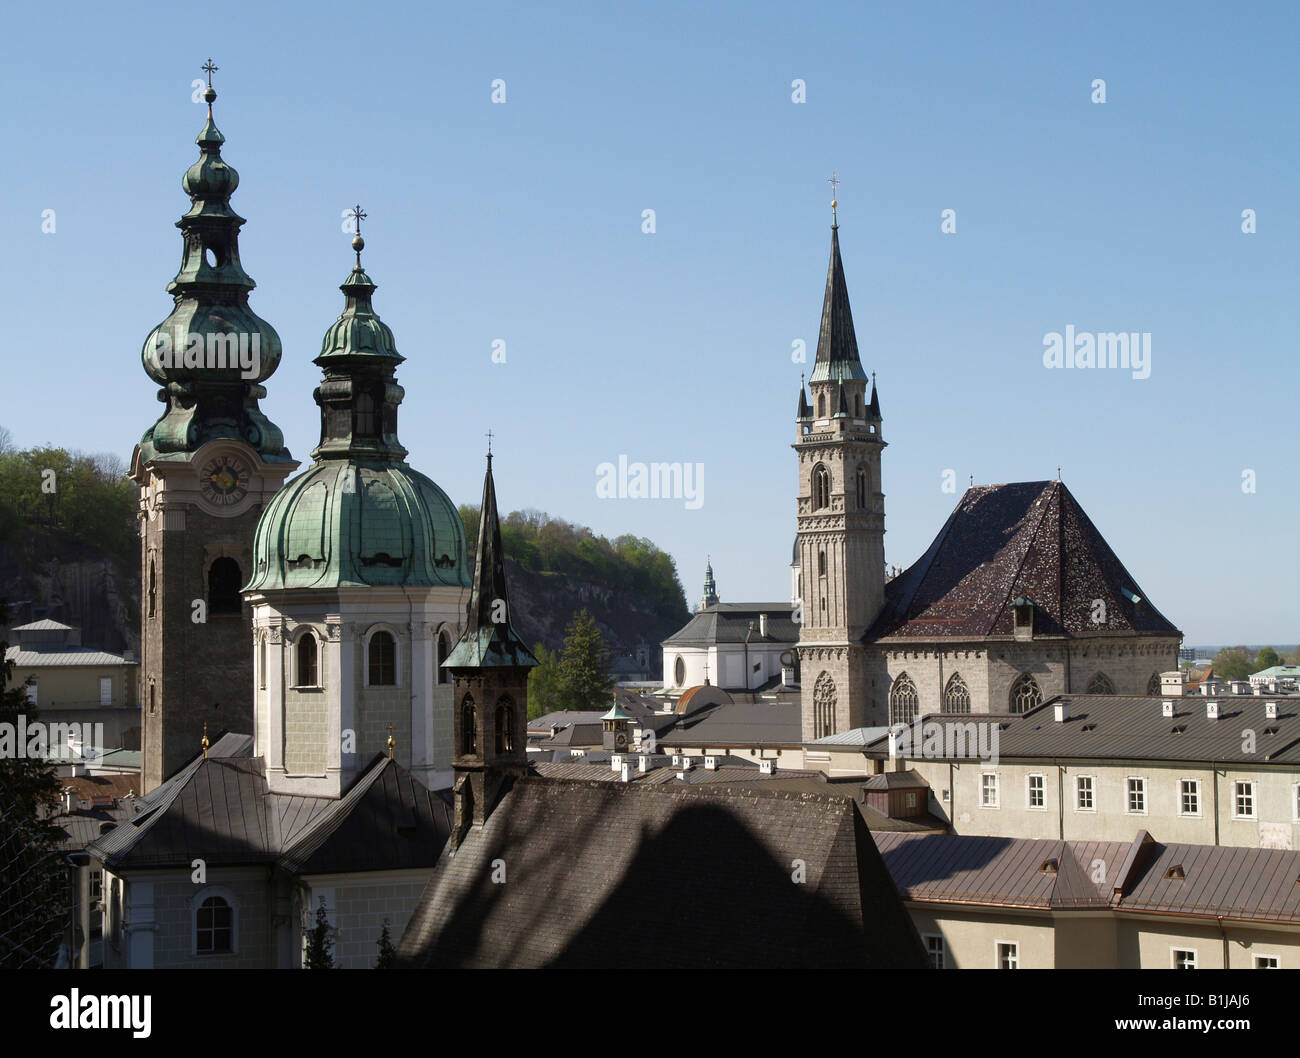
<point x="224" y="481"/>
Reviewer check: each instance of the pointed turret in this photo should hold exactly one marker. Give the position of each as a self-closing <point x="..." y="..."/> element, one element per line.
<point x="805" y="409"/>
<point x="842" y="410"/>
<point x="710" y="597"/>
<point x="873" y="408"/>
<point x="837" y="344"/>
<point x="489" y="667"/>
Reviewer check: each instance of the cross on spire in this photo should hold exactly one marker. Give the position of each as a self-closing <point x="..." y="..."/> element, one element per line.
<point x="210" y="70"/>
<point x="834" y="181"/>
<point x="488" y="435"/>
<point x="358" y="243"/>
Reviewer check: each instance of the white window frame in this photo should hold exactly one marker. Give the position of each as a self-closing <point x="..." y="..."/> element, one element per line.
<point x="1277" y="959"/>
<point x="1173" y="959"/>
<point x="1253" y="814"/>
<point x="1196" y="783"/>
<point x="370" y="633"/>
<point x="196" y="902"/>
<point x="942" y="951"/>
<point x="1295" y="803"/>
<point x="1128" y="795"/>
<point x="1029" y="791"/>
<point x="1014" y="945"/>
<point x="298" y="685"/>
<point x="1092" y="793"/>
<point x="102" y="681"/>
<point x="984" y="801"/>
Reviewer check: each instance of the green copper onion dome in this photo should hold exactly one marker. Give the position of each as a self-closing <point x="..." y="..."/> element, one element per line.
<point x="212" y="352"/>
<point x="359" y="515"/>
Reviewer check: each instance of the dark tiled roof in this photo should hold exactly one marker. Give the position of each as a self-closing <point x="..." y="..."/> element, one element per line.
<point x="729" y="623"/>
<point x="896" y="780"/>
<point x="741" y="723"/>
<point x="625" y="875"/>
<point x="1113" y="727"/>
<point x="1030" y="539"/>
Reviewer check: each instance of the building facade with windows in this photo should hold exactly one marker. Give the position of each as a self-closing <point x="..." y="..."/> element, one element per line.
<point x="1018" y="599"/>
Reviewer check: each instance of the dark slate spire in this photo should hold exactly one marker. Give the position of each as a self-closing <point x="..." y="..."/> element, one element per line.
<point x="212" y="352"/>
<point x="873" y="409"/>
<point x="489" y="640"/>
<point x="837" y="345"/>
<point x="805" y="409"/>
<point x="359" y="396"/>
<point x="843" y="410"/>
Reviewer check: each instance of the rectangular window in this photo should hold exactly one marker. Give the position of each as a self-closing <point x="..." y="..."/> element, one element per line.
<point x="1037" y="791"/>
<point x="1267" y="962"/>
<point x="989" y="790"/>
<point x="1008" y="955"/>
<point x="1189" y="797"/>
<point x="1083" y="794"/>
<point x="938" y="953"/>
<point x="106" y="690"/>
<point x="1243" y="800"/>
<point x="1137" y="795"/>
<point x="1182" y="958"/>
<point x="1295" y="802"/>
<point x="31" y="693"/>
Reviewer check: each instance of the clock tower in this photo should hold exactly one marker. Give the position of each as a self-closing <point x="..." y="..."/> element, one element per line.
<point x="205" y="470"/>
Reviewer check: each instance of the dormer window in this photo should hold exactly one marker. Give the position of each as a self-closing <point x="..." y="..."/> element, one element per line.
<point x="1023" y="610"/>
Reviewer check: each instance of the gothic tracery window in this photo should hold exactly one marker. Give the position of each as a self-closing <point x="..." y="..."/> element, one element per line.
<point x="1025" y="694"/>
<point x="956" y="696"/>
<point x="468" y="727"/>
<point x="824" y="706"/>
<point x="903" y="700"/>
<point x="862" y="489"/>
<point x="1100" y="684"/>
<point x="821" y="482"/>
<point x="505" y="726"/>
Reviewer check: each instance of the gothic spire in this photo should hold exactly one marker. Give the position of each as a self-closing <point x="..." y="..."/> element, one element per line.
<point x="837" y="345"/>
<point x="805" y="409"/>
<point x="873" y="409"/>
<point x="489" y="641"/>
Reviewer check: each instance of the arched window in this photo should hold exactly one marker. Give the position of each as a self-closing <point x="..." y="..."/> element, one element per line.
<point x="444" y="649"/>
<point x="224" y="582"/>
<point x="153" y="588"/>
<point x="505" y="726"/>
<point x="214" y="927"/>
<point x="261" y="661"/>
<point x="857" y="406"/>
<point x="383" y="660"/>
<point x="821" y="483"/>
<point x="307" y="668"/>
<point x="821" y="563"/>
<point x="679" y="671"/>
<point x="821" y="405"/>
<point x="363" y="423"/>
<point x="468" y="727"/>
<point x="1025" y="694"/>
<point x="956" y="696"/>
<point x="1100" y="684"/>
<point x="903" y="700"/>
<point x="153" y="698"/>
<point x="862" y="489"/>
<point x="824" y="706"/>
<point x="1153" y="686"/>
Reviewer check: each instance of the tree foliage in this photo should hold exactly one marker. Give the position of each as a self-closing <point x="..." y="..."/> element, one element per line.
<point x="34" y="886"/>
<point x="387" y="953"/>
<point x="320" y="942"/>
<point x="544" y="683"/>
<point x="585" y="679"/>
<point x="1266" y="659"/>
<point x="1234" y="663"/>
<point x="83" y="498"/>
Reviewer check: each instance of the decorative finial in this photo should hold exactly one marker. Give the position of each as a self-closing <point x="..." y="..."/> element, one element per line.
<point x="358" y="243"/>
<point x="391" y="743"/>
<point x="488" y="435"/>
<point x="972" y="481"/>
<point x="834" y="181"/>
<point x="209" y="94"/>
<point x="206" y="743"/>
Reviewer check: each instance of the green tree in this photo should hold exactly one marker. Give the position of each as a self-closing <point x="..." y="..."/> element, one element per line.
<point x="320" y="945"/>
<point x="1267" y="658"/>
<point x="544" y="683"/>
<point x="1234" y="663"/>
<point x="585" y="677"/>
<point x="387" y="953"/>
<point x="34" y="886"/>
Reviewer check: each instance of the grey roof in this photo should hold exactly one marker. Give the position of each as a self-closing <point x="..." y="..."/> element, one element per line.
<point x="220" y="810"/>
<point x="1115" y="727"/>
<point x="777" y="723"/>
<point x="895" y="780"/>
<point x="576" y="735"/>
<point x="729" y="623"/>
<point x="61" y="655"/>
<point x="1242" y="884"/>
<point x="43" y="626"/>
<point x="625" y="875"/>
<point x="854" y="736"/>
<point x="565" y="716"/>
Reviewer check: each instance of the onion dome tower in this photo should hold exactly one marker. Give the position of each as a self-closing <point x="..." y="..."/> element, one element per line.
<point x="205" y="469"/>
<point x="359" y="564"/>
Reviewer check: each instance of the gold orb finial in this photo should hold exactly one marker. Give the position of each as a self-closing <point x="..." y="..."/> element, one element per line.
<point x="391" y="743"/>
<point x="206" y="743"/>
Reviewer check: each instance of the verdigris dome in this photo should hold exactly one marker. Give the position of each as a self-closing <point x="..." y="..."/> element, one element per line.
<point x="341" y="524"/>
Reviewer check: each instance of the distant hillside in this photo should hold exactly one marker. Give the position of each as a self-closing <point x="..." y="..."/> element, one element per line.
<point x="71" y="549"/>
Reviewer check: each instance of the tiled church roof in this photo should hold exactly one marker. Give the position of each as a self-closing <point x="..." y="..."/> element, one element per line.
<point x="605" y="874"/>
<point x="1029" y="539"/>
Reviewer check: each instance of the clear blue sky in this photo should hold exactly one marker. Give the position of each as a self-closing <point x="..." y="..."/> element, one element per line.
<point x="522" y="222"/>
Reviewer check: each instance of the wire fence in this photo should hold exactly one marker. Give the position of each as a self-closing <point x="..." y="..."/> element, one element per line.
<point x="35" y="893"/>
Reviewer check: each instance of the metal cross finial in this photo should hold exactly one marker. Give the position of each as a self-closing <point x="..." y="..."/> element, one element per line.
<point x="210" y="69"/>
<point x="488" y="435"/>
<point x="358" y="215"/>
<point x="834" y="181"/>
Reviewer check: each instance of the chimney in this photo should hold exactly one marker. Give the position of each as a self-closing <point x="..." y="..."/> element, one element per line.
<point x="1167" y="708"/>
<point x="1062" y="711"/>
<point x="615" y="761"/>
<point x="686" y="763"/>
<point x="68" y="798"/>
<point x="1270" y="710"/>
<point x="1212" y="710"/>
<point x="643" y="763"/>
<point x="625" y="772"/>
<point x="762" y="624"/>
<point x="1173" y="684"/>
<point x="767" y="766"/>
<point x="711" y="763"/>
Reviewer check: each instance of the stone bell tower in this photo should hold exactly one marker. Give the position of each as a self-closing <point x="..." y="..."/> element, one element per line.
<point x="841" y="519"/>
<point x="205" y="470"/>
